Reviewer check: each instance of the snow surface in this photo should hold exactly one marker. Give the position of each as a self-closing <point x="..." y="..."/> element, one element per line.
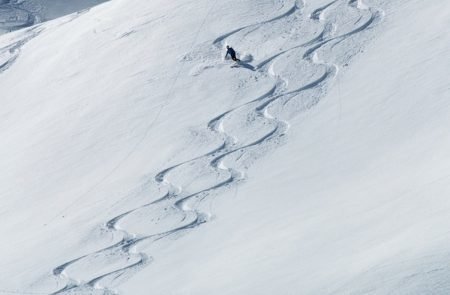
<point x="136" y="161"/>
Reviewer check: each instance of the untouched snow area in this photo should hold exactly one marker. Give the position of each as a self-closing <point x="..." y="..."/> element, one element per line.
<point x="136" y="160"/>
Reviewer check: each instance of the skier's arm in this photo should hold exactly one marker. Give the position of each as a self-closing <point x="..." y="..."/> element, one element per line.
<point x="226" y="55"/>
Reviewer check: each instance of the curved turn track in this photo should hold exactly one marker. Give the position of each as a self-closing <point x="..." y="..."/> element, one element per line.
<point x="179" y="210"/>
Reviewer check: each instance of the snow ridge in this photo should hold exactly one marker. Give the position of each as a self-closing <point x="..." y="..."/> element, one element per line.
<point x="181" y="208"/>
<point x="10" y="53"/>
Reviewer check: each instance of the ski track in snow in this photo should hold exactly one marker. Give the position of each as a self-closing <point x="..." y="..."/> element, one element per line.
<point x="184" y="203"/>
<point x="10" y="53"/>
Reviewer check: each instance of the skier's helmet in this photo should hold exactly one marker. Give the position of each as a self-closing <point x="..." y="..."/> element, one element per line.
<point x="228" y="46"/>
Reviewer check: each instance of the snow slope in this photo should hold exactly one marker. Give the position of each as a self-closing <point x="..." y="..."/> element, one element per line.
<point x="136" y="161"/>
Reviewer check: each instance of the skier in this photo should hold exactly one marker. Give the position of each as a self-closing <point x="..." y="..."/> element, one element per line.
<point x="232" y="53"/>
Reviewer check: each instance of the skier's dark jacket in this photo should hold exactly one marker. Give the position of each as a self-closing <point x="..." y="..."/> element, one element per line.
<point x="231" y="52"/>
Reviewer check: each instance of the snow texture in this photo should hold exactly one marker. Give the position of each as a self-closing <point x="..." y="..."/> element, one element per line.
<point x="135" y="160"/>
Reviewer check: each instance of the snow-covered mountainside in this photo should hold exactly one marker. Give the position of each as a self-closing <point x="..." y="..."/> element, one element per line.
<point x="136" y="159"/>
<point x="17" y="14"/>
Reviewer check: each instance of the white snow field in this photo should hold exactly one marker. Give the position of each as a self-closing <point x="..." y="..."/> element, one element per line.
<point x="135" y="159"/>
